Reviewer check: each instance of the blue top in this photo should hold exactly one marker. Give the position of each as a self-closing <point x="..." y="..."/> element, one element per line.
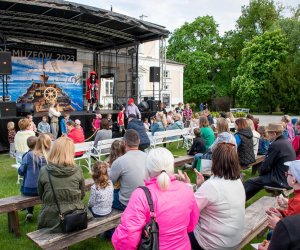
<point x="263" y="146"/>
<point x="63" y="126"/>
<point x="157" y="126"/>
<point x="30" y="169"/>
<point x="44" y="127"/>
<point x="238" y="140"/>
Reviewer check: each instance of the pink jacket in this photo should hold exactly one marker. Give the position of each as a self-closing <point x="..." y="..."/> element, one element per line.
<point x="176" y="211"/>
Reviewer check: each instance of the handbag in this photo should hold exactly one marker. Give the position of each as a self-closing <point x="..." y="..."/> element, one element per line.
<point x="72" y="220"/>
<point x="149" y="239"/>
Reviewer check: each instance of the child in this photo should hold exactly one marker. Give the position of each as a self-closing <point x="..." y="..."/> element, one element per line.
<point x="198" y="145"/>
<point x="32" y="125"/>
<point x="32" y="162"/>
<point x="170" y="117"/>
<point x="109" y="116"/>
<point x="11" y="138"/>
<point x="146" y="124"/>
<point x="63" y="123"/>
<point x="101" y="198"/>
<point x="120" y="118"/>
<point x="264" y="142"/>
<point x="44" y="126"/>
<point x="97" y="121"/>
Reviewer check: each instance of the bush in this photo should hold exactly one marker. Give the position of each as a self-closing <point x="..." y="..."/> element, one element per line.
<point x="215" y="114"/>
<point x="193" y="106"/>
<point x="239" y="114"/>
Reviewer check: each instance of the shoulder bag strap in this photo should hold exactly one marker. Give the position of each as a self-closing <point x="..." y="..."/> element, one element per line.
<point x="149" y="199"/>
<point x="55" y="199"/>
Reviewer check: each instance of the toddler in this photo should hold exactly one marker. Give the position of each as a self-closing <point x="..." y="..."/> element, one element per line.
<point x="11" y="138"/>
<point x="101" y="198"/>
<point x="146" y="124"/>
<point x="44" y="126"/>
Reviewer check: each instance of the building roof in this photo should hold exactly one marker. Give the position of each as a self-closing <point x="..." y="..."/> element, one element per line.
<point x="174" y="62"/>
<point x="73" y="24"/>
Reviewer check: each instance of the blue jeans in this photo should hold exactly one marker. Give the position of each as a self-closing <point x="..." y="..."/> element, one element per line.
<point x="197" y="157"/>
<point x="116" y="202"/>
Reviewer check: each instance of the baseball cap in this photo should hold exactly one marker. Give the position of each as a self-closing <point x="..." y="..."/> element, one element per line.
<point x="130" y="101"/>
<point x="294" y="167"/>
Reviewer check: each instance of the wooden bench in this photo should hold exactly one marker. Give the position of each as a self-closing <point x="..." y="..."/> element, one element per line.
<point x="11" y="206"/>
<point x="277" y="191"/>
<point x="255" y="165"/>
<point x="180" y="161"/>
<point x="256" y="219"/>
<point x="52" y="241"/>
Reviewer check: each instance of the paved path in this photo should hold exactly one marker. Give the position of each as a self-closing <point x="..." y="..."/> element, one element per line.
<point x="266" y="119"/>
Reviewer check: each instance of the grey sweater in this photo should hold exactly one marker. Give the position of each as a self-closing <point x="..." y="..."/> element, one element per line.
<point x="130" y="170"/>
<point x="101" y="135"/>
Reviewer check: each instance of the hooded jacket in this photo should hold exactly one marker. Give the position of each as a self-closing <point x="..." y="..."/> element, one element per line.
<point x="138" y="126"/>
<point x="68" y="183"/>
<point x="245" y="149"/>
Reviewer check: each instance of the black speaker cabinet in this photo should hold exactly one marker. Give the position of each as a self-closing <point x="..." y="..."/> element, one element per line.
<point x="24" y="109"/>
<point x="7" y="109"/>
<point x="5" y="63"/>
<point x="154" y="74"/>
<point x="153" y="105"/>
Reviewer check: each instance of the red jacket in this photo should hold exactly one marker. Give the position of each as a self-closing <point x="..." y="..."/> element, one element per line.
<point x="89" y="88"/>
<point x="77" y="136"/>
<point x="293" y="205"/>
<point x="296" y="146"/>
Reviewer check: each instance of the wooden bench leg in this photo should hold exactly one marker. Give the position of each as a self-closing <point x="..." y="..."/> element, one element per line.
<point x="13" y="223"/>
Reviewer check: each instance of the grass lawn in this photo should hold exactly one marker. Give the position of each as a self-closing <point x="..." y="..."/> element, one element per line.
<point x="8" y="187"/>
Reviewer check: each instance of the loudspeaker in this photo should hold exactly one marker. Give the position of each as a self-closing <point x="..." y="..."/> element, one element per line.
<point x="143" y="106"/>
<point x="5" y="63"/>
<point x="154" y="74"/>
<point x="24" y="109"/>
<point x="153" y="105"/>
<point x="7" y="109"/>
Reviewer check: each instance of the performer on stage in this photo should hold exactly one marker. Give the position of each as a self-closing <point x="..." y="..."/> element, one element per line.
<point x="92" y="91"/>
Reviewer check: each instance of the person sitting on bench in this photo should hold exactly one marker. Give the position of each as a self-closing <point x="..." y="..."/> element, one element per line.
<point x="272" y="171"/>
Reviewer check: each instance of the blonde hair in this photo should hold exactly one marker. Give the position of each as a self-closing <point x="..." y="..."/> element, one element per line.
<point x="177" y="117"/>
<point x="196" y="115"/>
<point x="286" y="119"/>
<point x="222" y="125"/>
<point x="42" y="145"/>
<point x="10" y="125"/>
<point x="100" y="175"/>
<point x="250" y="124"/>
<point x="23" y="123"/>
<point x="62" y="152"/>
<point x="161" y="117"/>
<point x="160" y="164"/>
<point x="262" y="131"/>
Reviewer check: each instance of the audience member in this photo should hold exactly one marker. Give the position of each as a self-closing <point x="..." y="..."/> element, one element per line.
<point x="256" y="136"/>
<point x="68" y="180"/>
<point x="158" y="123"/>
<point x="146" y="124"/>
<point x="103" y="134"/>
<point x="76" y="135"/>
<point x="162" y="108"/>
<point x="195" y="120"/>
<point x="272" y="170"/>
<point x="297" y="128"/>
<point x="264" y="141"/>
<point x="78" y="126"/>
<point x="43" y="126"/>
<point x="206" y="131"/>
<point x="256" y="123"/>
<point x="21" y="137"/>
<point x="129" y="169"/>
<point x="32" y="124"/>
<point x="221" y="201"/>
<point x="178" y="124"/>
<point x="139" y="127"/>
<point x="230" y="117"/>
<point x="54" y="115"/>
<point x="170" y="119"/>
<point x="288" y="131"/>
<point x="198" y="145"/>
<point x="187" y="115"/>
<point x="174" y="217"/>
<point x="11" y="133"/>
<point x="110" y="121"/>
<point x="32" y="162"/>
<point x="63" y="123"/>
<point x="102" y="191"/>
<point x="244" y="141"/>
<point x="116" y="133"/>
<point x="179" y="108"/>
<point x="96" y="121"/>
<point x="120" y="118"/>
<point x="132" y="109"/>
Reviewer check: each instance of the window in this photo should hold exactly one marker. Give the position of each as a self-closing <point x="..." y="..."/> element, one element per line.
<point x="166" y="74"/>
<point x="109" y="87"/>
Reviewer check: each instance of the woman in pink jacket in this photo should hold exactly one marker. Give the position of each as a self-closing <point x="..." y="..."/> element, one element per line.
<point x="174" y="204"/>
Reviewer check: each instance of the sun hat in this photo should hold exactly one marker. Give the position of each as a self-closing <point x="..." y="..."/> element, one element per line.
<point x="294" y="167"/>
<point x="275" y="127"/>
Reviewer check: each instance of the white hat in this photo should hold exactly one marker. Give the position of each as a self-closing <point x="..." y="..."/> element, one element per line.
<point x="294" y="167"/>
<point x="77" y="122"/>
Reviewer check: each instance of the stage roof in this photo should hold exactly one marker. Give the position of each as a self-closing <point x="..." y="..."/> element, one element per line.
<point x="72" y="24"/>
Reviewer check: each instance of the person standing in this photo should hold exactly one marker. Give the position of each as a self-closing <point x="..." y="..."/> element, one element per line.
<point x="92" y="94"/>
<point x="54" y="115"/>
<point x="43" y="126"/>
<point x="120" y="118"/>
<point x="11" y="138"/>
<point x="187" y="115"/>
<point x="63" y="123"/>
<point x="132" y="109"/>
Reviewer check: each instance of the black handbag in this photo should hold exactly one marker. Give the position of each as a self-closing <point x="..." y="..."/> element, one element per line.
<point x="72" y="220"/>
<point x="149" y="239"/>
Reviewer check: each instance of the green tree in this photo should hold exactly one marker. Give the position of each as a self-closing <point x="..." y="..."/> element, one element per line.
<point x="261" y="57"/>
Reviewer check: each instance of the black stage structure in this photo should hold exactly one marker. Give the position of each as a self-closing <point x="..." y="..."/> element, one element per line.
<point x="112" y="38"/>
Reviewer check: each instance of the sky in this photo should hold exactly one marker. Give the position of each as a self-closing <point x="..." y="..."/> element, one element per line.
<point x="174" y="13"/>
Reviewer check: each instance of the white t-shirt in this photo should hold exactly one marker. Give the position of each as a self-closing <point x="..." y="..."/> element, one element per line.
<point x="222" y="211"/>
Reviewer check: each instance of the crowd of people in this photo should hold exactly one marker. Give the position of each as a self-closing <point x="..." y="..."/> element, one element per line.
<point x="210" y="218"/>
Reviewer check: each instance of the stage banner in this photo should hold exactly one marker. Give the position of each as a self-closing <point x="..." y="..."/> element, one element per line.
<point x="40" y="81"/>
